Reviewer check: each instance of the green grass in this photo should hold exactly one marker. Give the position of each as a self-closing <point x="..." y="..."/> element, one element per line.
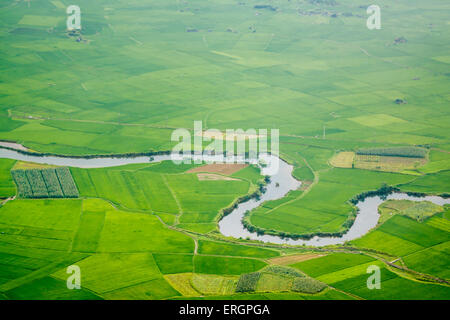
<point x="434" y="183"/>
<point x="386" y="242"/>
<point x="162" y="190"/>
<point x="7" y="187"/>
<point x="402" y="236"/>
<point x="48" y="288"/>
<point x="413" y="231"/>
<point x="137" y="232"/>
<point x="433" y="260"/>
<point x="90" y="226"/>
<point x="402" y="289"/>
<point x="107" y="272"/>
<point x="156" y="289"/>
<point x="331" y="262"/>
<point x="216" y="248"/>
<point x="311" y="214"/>
<point x="270" y="282"/>
<point x="225" y="265"/>
<point x="213" y="285"/>
<point x="418" y="211"/>
<point x="173" y="263"/>
<point x="307" y="285"/>
<point x="60" y="215"/>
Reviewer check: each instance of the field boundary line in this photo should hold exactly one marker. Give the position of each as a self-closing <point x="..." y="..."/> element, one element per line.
<point x="39" y="273"/>
<point x="82" y="287"/>
<point x="177" y="218"/>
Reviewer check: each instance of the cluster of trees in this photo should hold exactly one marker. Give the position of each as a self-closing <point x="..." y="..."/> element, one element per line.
<point x="23" y="186"/>
<point x="247" y="282"/>
<point x="45" y="183"/>
<point x="67" y="184"/>
<point x="53" y="187"/>
<point x="284" y="271"/>
<point x="383" y="192"/>
<point x="408" y="152"/>
<point x="307" y="285"/>
<point x="37" y="183"/>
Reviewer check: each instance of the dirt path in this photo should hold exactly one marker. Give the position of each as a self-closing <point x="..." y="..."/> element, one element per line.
<point x="6" y="200"/>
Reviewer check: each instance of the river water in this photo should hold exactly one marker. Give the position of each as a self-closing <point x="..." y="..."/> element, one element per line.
<point x="282" y="182"/>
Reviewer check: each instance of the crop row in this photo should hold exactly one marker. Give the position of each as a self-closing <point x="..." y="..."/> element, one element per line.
<point x="37" y="183"/>
<point x="52" y="182"/>
<point x="23" y="186"/>
<point x="66" y="181"/>
<point x="409" y="152"/>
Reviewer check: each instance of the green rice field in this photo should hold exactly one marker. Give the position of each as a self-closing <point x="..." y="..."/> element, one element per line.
<point x="140" y="69"/>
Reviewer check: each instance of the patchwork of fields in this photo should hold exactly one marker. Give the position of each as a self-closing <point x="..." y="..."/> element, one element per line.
<point x="143" y="68"/>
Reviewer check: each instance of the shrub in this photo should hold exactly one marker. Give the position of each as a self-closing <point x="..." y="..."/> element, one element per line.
<point x="307" y="285"/>
<point x="247" y="282"/>
<point x="286" y="271"/>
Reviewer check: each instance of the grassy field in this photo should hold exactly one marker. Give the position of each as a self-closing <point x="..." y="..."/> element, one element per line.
<point x="415" y="210"/>
<point x="347" y="272"/>
<point x="7" y="187"/>
<point x="309" y="213"/>
<point x="423" y="246"/>
<point x="164" y="189"/>
<point x="356" y="109"/>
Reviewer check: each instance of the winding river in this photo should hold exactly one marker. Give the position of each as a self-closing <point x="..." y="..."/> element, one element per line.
<point x="282" y="182"/>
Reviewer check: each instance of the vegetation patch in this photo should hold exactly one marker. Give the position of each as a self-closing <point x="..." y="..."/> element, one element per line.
<point x="45" y="183"/>
<point x="308" y="285"/>
<point x="388" y="163"/>
<point x="418" y="211"/>
<point x="409" y="152"/>
<point x="272" y="282"/>
<point x="23" y="165"/>
<point x="343" y="160"/>
<point x="7" y="187"/>
<point x="290" y="259"/>
<point x="227" y="249"/>
<point x="284" y="271"/>
<point x="224" y="168"/>
<point x="248" y="282"/>
<point x="182" y="283"/>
